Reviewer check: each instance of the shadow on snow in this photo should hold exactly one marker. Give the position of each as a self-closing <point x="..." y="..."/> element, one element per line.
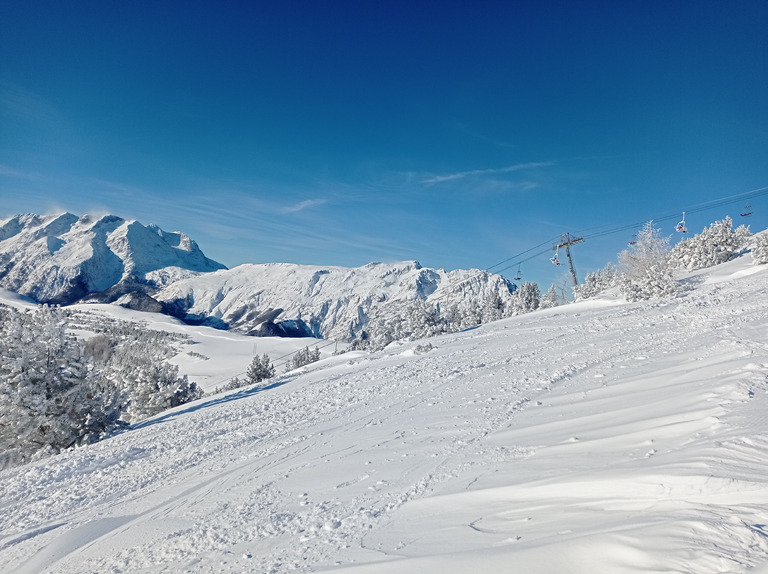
<point x="236" y="396"/>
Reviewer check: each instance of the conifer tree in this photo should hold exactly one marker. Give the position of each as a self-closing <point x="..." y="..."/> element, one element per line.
<point x="760" y="249"/>
<point x="549" y="299"/>
<point x="303" y="357"/>
<point x="526" y="298"/>
<point x="596" y="282"/>
<point x="260" y="369"/>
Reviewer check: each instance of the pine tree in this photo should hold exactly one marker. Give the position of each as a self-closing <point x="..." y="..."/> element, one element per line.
<point x="549" y="299"/>
<point x="260" y="369"/>
<point x="526" y="298"/>
<point x="303" y="357"/>
<point x="596" y="282"/>
<point x="760" y="249"/>
<point x="493" y="308"/>
<point x="48" y="399"/>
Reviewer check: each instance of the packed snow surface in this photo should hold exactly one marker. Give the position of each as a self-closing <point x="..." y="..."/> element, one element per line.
<point x="598" y="437"/>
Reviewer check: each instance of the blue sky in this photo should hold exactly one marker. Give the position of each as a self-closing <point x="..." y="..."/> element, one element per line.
<point x="456" y="133"/>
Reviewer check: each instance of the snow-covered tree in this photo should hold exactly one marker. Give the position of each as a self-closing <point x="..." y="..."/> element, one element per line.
<point x="645" y="272"/>
<point x="57" y="392"/>
<point x="303" y="357"/>
<point x="596" y="282"/>
<point x="550" y="298"/>
<point x="526" y="298"/>
<point x="261" y="368"/>
<point x="418" y="319"/>
<point x="493" y="308"/>
<point x="714" y="245"/>
<point x="760" y="249"/>
<point x="48" y="398"/>
<point x="153" y="387"/>
<point x="147" y="383"/>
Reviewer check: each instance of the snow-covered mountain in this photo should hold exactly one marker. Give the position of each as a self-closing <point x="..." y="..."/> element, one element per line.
<point x="329" y="302"/>
<point x="65" y="258"/>
<point x="600" y="437"/>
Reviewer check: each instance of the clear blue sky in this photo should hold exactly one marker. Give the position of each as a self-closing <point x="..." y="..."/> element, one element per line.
<point x="457" y="133"/>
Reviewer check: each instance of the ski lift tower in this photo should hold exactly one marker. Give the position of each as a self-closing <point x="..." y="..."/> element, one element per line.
<point x="566" y="241"/>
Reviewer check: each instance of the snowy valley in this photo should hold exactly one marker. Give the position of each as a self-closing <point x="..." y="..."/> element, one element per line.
<point x="601" y="436"/>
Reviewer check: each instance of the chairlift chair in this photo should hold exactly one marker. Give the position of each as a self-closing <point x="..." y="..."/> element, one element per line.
<point x="518" y="275"/>
<point x="681" y="228"/>
<point x="747" y="210"/>
<point x="555" y="260"/>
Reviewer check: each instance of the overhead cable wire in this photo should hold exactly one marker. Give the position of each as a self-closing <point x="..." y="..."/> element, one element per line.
<point x="697" y="208"/>
<point x="516" y="259"/>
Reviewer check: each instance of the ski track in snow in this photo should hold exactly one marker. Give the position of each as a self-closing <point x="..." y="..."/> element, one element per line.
<point x="587" y="438"/>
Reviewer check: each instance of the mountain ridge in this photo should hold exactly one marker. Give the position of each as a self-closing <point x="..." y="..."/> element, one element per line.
<point x="324" y="301"/>
<point x="64" y="259"/>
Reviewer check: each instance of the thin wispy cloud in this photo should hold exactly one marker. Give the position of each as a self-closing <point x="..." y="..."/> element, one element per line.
<point x="302" y="205"/>
<point x="481" y="172"/>
<point x="8" y="171"/>
<point x="20" y="103"/>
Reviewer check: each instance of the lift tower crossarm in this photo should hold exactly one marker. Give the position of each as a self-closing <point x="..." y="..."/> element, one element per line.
<point x="566" y="241"/>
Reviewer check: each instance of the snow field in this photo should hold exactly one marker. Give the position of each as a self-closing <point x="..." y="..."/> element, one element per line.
<point x="597" y="437"/>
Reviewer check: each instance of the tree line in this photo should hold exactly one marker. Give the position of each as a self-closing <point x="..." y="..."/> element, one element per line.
<point x="58" y="391"/>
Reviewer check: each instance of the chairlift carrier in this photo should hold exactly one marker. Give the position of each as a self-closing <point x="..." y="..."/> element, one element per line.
<point x="555" y="260"/>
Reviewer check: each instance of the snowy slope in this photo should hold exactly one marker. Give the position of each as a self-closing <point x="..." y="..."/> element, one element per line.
<point x="63" y="258"/>
<point x="215" y="356"/>
<point x="599" y="437"/>
<point x="332" y="302"/>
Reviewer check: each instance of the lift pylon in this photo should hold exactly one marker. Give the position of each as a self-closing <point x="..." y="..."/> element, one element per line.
<point x="566" y="241"/>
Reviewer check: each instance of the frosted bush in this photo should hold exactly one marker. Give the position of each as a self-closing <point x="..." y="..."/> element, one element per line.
<point x="644" y="269"/>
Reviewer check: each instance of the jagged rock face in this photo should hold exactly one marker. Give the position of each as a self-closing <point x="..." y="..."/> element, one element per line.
<point x="64" y="258"/>
<point x="329" y="302"/>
